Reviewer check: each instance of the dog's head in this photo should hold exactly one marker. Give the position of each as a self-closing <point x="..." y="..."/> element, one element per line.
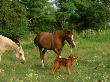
<point x="73" y="56"/>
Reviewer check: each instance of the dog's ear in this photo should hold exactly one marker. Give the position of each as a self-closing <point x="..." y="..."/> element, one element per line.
<point x="70" y="56"/>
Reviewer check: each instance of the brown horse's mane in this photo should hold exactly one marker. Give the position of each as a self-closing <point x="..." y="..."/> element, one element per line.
<point x="15" y="40"/>
<point x="62" y="33"/>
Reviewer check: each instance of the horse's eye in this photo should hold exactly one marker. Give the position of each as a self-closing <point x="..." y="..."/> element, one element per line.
<point x="20" y="54"/>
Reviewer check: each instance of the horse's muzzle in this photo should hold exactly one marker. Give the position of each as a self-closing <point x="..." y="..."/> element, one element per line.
<point x="23" y="62"/>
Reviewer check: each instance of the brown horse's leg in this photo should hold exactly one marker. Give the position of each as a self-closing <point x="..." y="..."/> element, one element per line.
<point x="42" y="56"/>
<point x="58" y="52"/>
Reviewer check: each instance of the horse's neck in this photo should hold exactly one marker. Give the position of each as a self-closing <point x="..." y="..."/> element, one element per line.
<point x="12" y="45"/>
<point x="8" y="44"/>
<point x="60" y="35"/>
<point x="15" y="47"/>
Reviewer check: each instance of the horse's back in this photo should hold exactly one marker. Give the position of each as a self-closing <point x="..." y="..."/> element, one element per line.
<point x="7" y="43"/>
<point x="4" y="40"/>
<point x="43" y="40"/>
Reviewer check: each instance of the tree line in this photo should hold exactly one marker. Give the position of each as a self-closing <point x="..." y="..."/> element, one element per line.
<point x="19" y="16"/>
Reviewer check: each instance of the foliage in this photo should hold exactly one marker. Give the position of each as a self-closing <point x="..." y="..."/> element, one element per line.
<point x="12" y="19"/>
<point x="64" y="11"/>
<point x="84" y="14"/>
<point x="40" y="15"/>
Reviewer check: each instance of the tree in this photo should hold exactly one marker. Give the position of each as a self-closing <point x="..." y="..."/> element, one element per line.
<point x="83" y="14"/>
<point x="65" y="10"/>
<point x="40" y="15"/>
<point x="12" y="18"/>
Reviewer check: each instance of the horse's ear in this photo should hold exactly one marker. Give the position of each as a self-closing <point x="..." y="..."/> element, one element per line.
<point x="70" y="56"/>
<point x="67" y="31"/>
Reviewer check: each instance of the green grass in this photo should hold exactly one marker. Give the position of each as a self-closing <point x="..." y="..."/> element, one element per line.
<point x="93" y="62"/>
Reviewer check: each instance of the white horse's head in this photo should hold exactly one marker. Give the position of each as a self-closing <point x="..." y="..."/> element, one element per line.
<point x="20" y="55"/>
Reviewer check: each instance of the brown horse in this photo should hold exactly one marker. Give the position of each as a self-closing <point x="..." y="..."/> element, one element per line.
<point x="53" y="41"/>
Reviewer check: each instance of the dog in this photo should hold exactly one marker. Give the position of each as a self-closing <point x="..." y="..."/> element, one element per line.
<point x="64" y="62"/>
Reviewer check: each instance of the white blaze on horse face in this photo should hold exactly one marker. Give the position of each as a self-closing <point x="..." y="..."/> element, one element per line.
<point x="72" y="37"/>
<point x="43" y="63"/>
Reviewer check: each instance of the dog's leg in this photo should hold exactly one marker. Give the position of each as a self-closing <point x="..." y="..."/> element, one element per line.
<point x="55" y="70"/>
<point x="68" y="69"/>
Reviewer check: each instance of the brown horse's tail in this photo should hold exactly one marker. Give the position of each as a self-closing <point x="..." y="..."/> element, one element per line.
<point x="36" y="39"/>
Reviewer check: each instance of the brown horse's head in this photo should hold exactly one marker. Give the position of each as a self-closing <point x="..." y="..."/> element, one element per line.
<point x="70" y="38"/>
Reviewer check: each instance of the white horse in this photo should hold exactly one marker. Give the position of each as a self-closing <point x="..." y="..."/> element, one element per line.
<point x="7" y="44"/>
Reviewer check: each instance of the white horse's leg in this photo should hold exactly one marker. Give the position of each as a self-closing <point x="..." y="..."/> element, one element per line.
<point x="2" y="52"/>
<point x="0" y="57"/>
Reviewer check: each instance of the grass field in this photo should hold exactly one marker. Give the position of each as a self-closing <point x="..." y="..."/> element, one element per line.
<point x="93" y="62"/>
